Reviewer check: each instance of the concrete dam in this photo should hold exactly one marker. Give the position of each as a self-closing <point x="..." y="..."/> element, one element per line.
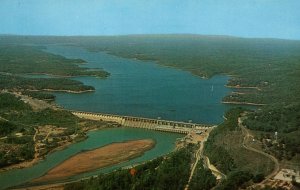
<point x="147" y="123"/>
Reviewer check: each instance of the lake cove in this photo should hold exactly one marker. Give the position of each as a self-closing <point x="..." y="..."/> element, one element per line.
<point x="164" y="143"/>
<point x="144" y="89"/>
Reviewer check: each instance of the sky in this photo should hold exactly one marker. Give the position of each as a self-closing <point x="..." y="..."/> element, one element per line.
<point x="243" y="18"/>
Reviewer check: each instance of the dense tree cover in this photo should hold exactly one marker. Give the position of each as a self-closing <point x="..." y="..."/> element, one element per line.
<point x="220" y="157"/>
<point x="18" y="154"/>
<point x="18" y="140"/>
<point x="276" y="117"/>
<point x="203" y="179"/>
<point x="283" y="119"/>
<point x="9" y="102"/>
<point x="24" y="148"/>
<point x="174" y="172"/>
<point x="13" y="109"/>
<point x="59" y="118"/>
<point x="14" y="149"/>
<point x="40" y="95"/>
<point x="231" y="117"/>
<point x="17" y="59"/>
<point x="21" y="83"/>
<point x="235" y="180"/>
<point x="6" y="127"/>
<point x="171" y="173"/>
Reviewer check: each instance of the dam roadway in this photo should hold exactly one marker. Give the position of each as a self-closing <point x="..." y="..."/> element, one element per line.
<point x="147" y="123"/>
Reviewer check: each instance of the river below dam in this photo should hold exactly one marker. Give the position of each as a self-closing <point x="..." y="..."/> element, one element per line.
<point x="134" y="88"/>
<point x="165" y="143"/>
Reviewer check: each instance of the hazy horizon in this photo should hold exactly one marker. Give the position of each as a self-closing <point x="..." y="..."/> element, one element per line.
<point x="170" y="34"/>
<point x="235" y="18"/>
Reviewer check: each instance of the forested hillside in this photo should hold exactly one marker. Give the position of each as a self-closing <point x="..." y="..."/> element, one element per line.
<point x="272" y="66"/>
<point x="262" y="71"/>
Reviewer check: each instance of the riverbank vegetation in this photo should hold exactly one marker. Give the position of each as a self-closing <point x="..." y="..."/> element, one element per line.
<point x="169" y="172"/>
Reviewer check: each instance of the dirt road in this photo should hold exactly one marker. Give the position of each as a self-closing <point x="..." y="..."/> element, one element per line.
<point x="247" y="135"/>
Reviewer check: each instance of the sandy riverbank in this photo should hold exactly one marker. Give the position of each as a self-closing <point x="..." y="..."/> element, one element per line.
<point x="99" y="158"/>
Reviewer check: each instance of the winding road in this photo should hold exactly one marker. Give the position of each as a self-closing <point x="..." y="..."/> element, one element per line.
<point x="213" y="169"/>
<point x="247" y="135"/>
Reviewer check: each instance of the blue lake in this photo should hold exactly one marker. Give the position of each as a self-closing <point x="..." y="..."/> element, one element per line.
<point x="146" y="89"/>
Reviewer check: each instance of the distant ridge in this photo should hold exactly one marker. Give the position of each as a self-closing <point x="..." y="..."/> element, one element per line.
<point x="156" y="35"/>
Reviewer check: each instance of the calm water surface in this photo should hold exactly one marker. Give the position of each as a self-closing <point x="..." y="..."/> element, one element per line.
<point x="145" y="89"/>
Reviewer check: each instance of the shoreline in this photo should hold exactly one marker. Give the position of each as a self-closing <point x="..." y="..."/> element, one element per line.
<point x="243" y="87"/>
<point x="242" y="103"/>
<point x="34" y="161"/>
<point x="21" y="165"/>
<point x="67" y="91"/>
<point x="56" y="76"/>
<point x="66" y="76"/>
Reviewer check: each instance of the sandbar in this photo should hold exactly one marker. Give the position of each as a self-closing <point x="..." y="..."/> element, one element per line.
<point x="98" y="158"/>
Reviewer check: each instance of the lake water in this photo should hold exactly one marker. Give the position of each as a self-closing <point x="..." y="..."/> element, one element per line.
<point x="134" y="88"/>
<point x="138" y="88"/>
